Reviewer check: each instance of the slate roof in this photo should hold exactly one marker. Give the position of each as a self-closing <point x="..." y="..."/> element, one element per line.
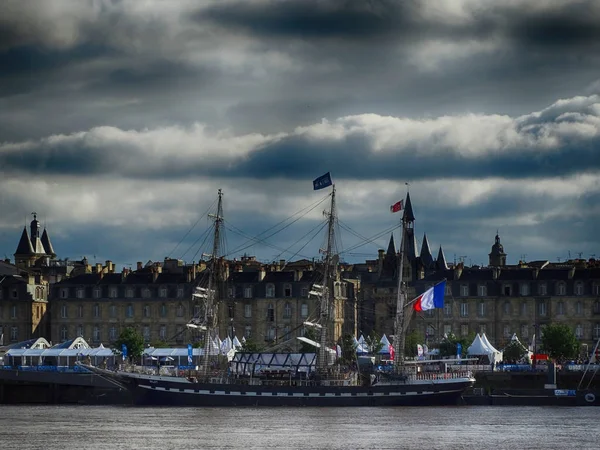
<point x="24" y="247"/>
<point x="278" y="277"/>
<point x="243" y="277"/>
<point x="47" y="244"/>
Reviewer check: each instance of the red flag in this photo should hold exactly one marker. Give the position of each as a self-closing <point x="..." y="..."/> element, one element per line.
<point x="392" y="351"/>
<point x="396" y="206"/>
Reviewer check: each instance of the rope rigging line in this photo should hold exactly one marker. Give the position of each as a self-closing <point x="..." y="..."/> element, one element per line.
<point x="193" y="226"/>
<point x="318" y="228"/>
<point x="371" y="240"/>
<point x="259" y="239"/>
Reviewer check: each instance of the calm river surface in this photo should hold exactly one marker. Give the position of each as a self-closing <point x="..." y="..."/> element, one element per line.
<point x="476" y="427"/>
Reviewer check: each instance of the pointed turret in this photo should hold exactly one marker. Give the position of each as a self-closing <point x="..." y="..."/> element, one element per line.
<point x="390" y="261"/>
<point x="47" y="244"/>
<point x="441" y="260"/>
<point x="408" y="211"/>
<point x="24" y="248"/>
<point x="36" y="242"/>
<point x="426" y="257"/>
<point x="410" y="242"/>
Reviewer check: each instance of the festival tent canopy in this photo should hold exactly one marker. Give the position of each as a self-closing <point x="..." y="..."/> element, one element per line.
<point x="480" y="348"/>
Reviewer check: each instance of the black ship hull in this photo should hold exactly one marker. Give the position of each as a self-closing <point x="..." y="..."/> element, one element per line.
<point x="173" y="391"/>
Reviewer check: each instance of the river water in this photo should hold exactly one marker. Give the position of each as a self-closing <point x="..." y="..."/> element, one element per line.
<point x="464" y="427"/>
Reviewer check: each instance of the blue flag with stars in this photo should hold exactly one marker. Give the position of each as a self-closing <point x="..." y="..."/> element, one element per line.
<point x="322" y="182"/>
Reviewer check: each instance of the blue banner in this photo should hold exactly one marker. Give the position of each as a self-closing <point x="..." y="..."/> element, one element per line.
<point x="458" y="349"/>
<point x="190" y="353"/>
<point x="124" y="351"/>
<point x="322" y="182"/>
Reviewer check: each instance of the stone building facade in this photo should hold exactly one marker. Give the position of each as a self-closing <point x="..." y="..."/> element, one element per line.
<point x="268" y="303"/>
<point x="23" y="304"/>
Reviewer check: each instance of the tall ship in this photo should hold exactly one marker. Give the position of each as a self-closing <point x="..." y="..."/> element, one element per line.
<point x="297" y="379"/>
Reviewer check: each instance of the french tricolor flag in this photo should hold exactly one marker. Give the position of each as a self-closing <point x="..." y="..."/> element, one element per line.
<point x="431" y="298"/>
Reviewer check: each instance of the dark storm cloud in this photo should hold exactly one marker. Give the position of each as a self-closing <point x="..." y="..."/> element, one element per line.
<point x="560" y="140"/>
<point x="563" y="25"/>
<point x="314" y="19"/>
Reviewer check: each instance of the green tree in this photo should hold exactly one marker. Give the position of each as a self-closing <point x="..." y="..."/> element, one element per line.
<point x="559" y="341"/>
<point x="374" y="343"/>
<point x="348" y="350"/>
<point x="448" y="345"/>
<point x="250" y="346"/>
<point x="159" y="344"/>
<point x="411" y="341"/>
<point x="311" y="334"/>
<point x="133" y="340"/>
<point x="514" y="351"/>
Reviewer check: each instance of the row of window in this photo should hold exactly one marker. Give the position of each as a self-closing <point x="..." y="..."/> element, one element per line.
<point x="247" y="291"/>
<point x="113" y="292"/>
<point x="508" y="309"/>
<point x="113" y="333"/>
<point x="524" y="289"/>
<point x="287" y="311"/>
<point x="129" y="310"/>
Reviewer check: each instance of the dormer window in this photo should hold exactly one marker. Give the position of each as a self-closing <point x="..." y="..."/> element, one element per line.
<point x="248" y="292"/>
<point x="146" y="293"/>
<point x="129" y="293"/>
<point x="270" y="292"/>
<point x="112" y="292"/>
<point x="542" y="289"/>
<point x="464" y="290"/>
<point x="579" y="288"/>
<point x="482" y="290"/>
<point x="287" y="290"/>
<point x="80" y="292"/>
<point x="561" y="288"/>
<point x="162" y="292"/>
<point x="97" y="292"/>
<point x="507" y="289"/>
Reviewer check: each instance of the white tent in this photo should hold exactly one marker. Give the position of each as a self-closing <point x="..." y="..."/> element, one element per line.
<point x="480" y="348"/>
<point x="385" y="349"/>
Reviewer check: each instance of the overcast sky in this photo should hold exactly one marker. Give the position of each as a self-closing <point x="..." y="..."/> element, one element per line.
<point x="120" y="120"/>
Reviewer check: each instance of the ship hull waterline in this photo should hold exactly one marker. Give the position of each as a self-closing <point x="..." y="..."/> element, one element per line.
<point x="162" y="391"/>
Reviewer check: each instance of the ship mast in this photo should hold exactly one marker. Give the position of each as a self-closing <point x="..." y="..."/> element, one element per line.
<point x="399" y="336"/>
<point x="210" y="311"/>
<point x="326" y="289"/>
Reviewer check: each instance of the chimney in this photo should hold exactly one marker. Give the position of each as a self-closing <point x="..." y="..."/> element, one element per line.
<point x="155" y="272"/>
<point x="298" y="275"/>
<point x="98" y="268"/>
<point x="281" y="264"/>
<point x="139" y="265"/>
<point x="109" y="267"/>
<point x="571" y="272"/>
<point x="458" y="270"/>
<point x="194" y="273"/>
<point x="124" y="273"/>
<point x="261" y="273"/>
